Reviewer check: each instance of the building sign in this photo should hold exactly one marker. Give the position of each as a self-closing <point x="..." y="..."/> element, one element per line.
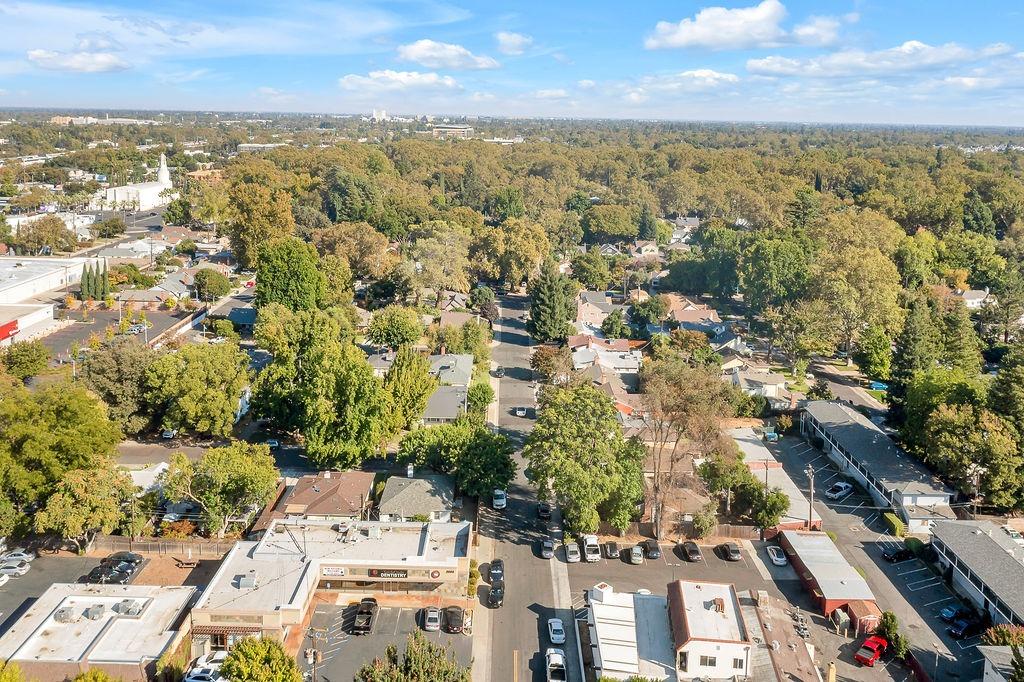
<point x="334" y="570"/>
<point x="387" y="573"/>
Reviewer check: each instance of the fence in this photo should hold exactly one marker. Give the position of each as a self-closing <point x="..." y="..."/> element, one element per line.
<point x="211" y="549"/>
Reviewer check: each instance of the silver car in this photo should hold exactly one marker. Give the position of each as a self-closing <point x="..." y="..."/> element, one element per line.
<point x="572" y="553"/>
<point x="636" y="555"/>
<point x="432" y="619"/>
<point x="547" y="549"/>
<point x="20" y="568"/>
<point x="17" y="555"/>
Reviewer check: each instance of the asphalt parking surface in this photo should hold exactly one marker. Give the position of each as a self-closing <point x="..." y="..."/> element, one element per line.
<point x="344" y="653"/>
<point x="60" y="341"/>
<point x="18" y="593"/>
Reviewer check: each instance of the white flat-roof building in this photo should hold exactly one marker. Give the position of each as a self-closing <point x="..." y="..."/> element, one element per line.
<point x="22" y="278"/>
<point x="628" y="634"/>
<point x="140" y="196"/>
<point x="120" y="629"/>
<point x="709" y="634"/>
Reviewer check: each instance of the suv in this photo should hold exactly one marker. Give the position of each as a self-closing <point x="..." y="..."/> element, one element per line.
<point x="591" y="548"/>
<point x="894" y="556"/>
<point x="496" y="571"/>
<point x="691" y="551"/>
<point x="652" y="549"/>
<point x="496" y="594"/>
<point x="964" y="627"/>
<point x="544" y="511"/>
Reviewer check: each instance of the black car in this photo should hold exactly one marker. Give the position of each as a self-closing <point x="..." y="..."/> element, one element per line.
<point x="730" y="551"/>
<point x="124" y="557"/>
<point x="454" y="619"/>
<point x="496" y="571"/>
<point x="691" y="551"/>
<point x="500" y="372"/>
<point x="544" y="511"/>
<point x="651" y="549"/>
<point x="894" y="556"/>
<point x="955" y="612"/>
<point x="496" y="595"/>
<point x="612" y="550"/>
<point x="964" y="628"/>
<point x="106" y="574"/>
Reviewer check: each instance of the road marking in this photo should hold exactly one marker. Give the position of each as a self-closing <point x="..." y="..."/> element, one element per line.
<point x="816" y="459"/>
<point x="924" y="586"/>
<point x="939" y="601"/>
<point x="399" y="619"/>
<point x="829" y="479"/>
<point x="856" y="508"/>
<point x="916" y="570"/>
<point x="871" y="518"/>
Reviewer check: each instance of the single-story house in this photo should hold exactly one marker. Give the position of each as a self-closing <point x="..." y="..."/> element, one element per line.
<point x="452" y="369"/>
<point x="426" y="496"/>
<point x="445" y="405"/>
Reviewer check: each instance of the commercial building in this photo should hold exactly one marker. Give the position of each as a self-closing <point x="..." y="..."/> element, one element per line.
<point x="985" y="565"/>
<point x="709" y="635"/>
<point x="766" y="468"/>
<point x="22" y="278"/>
<point x="119" y="629"/>
<point x="442" y="131"/>
<point x="866" y="454"/>
<point x="265" y="587"/>
<point x="831" y="580"/>
<point x="627" y="635"/>
<point x="998" y="663"/>
<point x="140" y="196"/>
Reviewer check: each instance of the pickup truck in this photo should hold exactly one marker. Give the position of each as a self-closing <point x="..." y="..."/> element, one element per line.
<point x="366" y="614"/>
<point x="591" y="548"/>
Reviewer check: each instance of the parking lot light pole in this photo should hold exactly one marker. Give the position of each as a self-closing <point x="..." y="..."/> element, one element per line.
<point x="935" y="676"/>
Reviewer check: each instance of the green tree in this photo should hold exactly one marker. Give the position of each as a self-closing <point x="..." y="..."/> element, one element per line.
<point x="591" y="270"/>
<point x="422" y="660"/>
<point x="199" y="387"/>
<point x="931" y="388"/>
<point x="85" y="285"/>
<point x="258" y="214"/>
<point x="874" y="352"/>
<point x="552" y="305"/>
<point x="49" y="232"/>
<point x="768" y="506"/>
<point x="1016" y="664"/>
<point x="772" y="271"/>
<point x="552" y="364"/>
<point x="608" y="222"/>
<point x="211" y="285"/>
<point x="1003" y="634"/>
<point x="804" y="209"/>
<point x="705" y="520"/>
<point x="917" y="348"/>
<point x="648" y="227"/>
<point x="821" y="390"/>
<point x="481" y="296"/>
<point x="806" y="328"/>
<point x="178" y="212"/>
<point x="961" y="348"/>
<point x="95" y="675"/>
<point x="24" y="359"/>
<point x="889" y="628"/>
<point x="620" y="509"/>
<point x="978" y="216"/>
<point x="506" y="203"/>
<point x="258" y="659"/>
<point x="724" y="473"/>
<point x="652" y="311"/>
<point x="116" y="372"/>
<point x="410" y="384"/>
<point x="224" y="483"/>
<point x="614" y="326"/>
<point x="287" y="272"/>
<point x="441" y="254"/>
<point x="84" y="502"/>
<point x="394" y="326"/>
<point x="479" y="397"/>
<point x="1006" y="395"/>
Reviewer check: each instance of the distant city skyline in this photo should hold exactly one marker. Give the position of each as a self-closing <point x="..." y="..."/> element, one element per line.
<point x="856" y="61"/>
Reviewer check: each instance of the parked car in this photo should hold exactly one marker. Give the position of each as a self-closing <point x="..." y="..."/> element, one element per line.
<point x="544" y="511"/>
<point x="962" y="628"/>
<point x="839" y="490"/>
<point x="871" y="650"/>
<point x="202" y="675"/>
<point x="556" y="632"/>
<point x="273" y="444"/>
<point x="18" y="554"/>
<point x="547" y="549"/>
<point x="954" y="612"/>
<point x="636" y="555"/>
<point x="771" y="437"/>
<point x="214" y="659"/>
<point x="496" y="594"/>
<point x="1014" y="535"/>
<point x="777" y="555"/>
<point x="878" y="386"/>
<point x="496" y="571"/>
<point x="124" y="557"/>
<point x="894" y="556"/>
<point x="14" y="568"/>
<point x="499" y="499"/>
<point x="499" y="372"/>
<point x="572" y="553"/>
<point x="591" y="548"/>
<point x="651" y="549"/>
<point x="431" y="619"/>
<point x="454" y="619"/>
<point x="691" y="551"/>
<point x="169" y="434"/>
<point x="520" y="411"/>
<point x="366" y="615"/>
<point x="730" y="551"/>
<point x="554" y="665"/>
<point x="611" y="550"/>
<point x="106" y="574"/>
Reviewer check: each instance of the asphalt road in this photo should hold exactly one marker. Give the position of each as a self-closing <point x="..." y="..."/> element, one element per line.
<point x="847" y="388"/>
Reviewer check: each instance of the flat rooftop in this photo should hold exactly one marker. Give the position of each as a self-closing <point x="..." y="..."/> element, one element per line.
<point x="287" y="560"/>
<point x="15" y="270"/>
<point x="758" y="458"/>
<point x="631" y="634"/>
<point x="835" y="577"/>
<point x="113" y="637"/>
<point x="711" y="611"/>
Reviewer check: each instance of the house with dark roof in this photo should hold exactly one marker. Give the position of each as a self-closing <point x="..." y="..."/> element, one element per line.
<point x="325" y="496"/>
<point x="984" y="565"/>
<point x="592" y="307"/>
<point x="426" y="496"/>
<point x="445" y="405"/>
<point x="452" y="369"/>
<point x="866" y="454"/>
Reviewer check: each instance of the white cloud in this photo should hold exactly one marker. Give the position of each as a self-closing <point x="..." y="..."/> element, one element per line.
<point x="180" y="77"/>
<point x="482" y="97"/>
<point x="512" y="43"/>
<point x="388" y="80"/>
<point x="81" y="62"/>
<point x="435" y="55"/>
<point x="692" y="81"/>
<point x="972" y="82"/>
<point x="585" y="84"/>
<point x="817" y="31"/>
<point x="911" y="56"/>
<point x="274" y="96"/>
<point x="720" y="28"/>
<point x="551" y="93"/>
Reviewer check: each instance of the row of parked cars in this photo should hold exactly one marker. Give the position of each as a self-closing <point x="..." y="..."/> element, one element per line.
<point x="15" y="562"/>
<point x="116" y="569"/>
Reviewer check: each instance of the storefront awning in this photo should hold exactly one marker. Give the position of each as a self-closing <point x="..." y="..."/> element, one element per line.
<point x="226" y="630"/>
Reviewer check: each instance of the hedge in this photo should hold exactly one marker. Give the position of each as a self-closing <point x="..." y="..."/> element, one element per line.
<point x="895" y="523"/>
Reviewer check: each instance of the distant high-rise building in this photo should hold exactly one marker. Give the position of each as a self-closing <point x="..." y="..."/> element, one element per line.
<point x="380" y="115"/>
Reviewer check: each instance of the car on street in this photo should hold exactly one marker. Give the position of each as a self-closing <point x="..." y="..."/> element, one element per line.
<point x="554" y="665"/>
<point x="366" y="615"/>
<point x="611" y="550"/>
<point x="871" y="650"/>
<point x="544" y="511"/>
<point x="777" y="555"/>
<point x="894" y="556"/>
<point x="547" y="549"/>
<point x="16" y="568"/>
<point x="636" y="555"/>
<point x="651" y="549"/>
<point x="273" y="444"/>
<point x="431" y="619"/>
<point x="454" y="619"/>
<point x="556" y="632"/>
<point x="591" y="548"/>
<point x="17" y="554"/>
<point x="839" y="490"/>
<point x="878" y="386"/>
<point x="691" y="551"/>
<point x="169" y="434"/>
<point x="500" y="372"/>
<point x="499" y="499"/>
<point x="1014" y="535"/>
<point x="955" y="612"/>
<point x="520" y="411"/>
<point x="962" y="628"/>
<point x="729" y="551"/>
<point x="572" y="553"/>
<point x="496" y="571"/>
<point x="496" y="594"/>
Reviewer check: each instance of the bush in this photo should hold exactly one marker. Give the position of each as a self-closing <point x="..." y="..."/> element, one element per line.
<point x="474" y="578"/>
<point x="178" y="530"/>
<point x="783" y="423"/>
<point x="831" y="536"/>
<point x="1003" y="634"/>
<point x="895" y="523"/>
<point x="915" y="545"/>
<point x="705" y="521"/>
<point x="479" y="397"/>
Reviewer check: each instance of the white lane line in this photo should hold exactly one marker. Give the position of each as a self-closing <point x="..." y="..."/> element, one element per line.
<point x="916" y="570"/>
<point x="939" y="601"/>
<point x="871" y="518"/>
<point x="923" y="584"/>
<point x="816" y="459"/>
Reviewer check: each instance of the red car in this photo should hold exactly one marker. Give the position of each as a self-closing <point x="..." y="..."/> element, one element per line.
<point x="871" y="650"/>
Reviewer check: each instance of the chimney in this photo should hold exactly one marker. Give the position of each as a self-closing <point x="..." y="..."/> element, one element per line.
<point x="443" y="350"/>
<point x="408" y="471"/>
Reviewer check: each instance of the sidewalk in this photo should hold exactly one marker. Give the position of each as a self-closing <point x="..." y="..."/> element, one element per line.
<point x="482" y="633"/>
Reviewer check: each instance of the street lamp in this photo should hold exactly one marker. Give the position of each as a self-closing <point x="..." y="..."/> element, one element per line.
<point x="935" y="676"/>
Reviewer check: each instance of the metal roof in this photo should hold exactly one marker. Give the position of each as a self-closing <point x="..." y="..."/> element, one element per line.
<point x="835" y="577"/>
<point x="990" y="554"/>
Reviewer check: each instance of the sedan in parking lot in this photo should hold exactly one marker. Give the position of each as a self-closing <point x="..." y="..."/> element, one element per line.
<point x="431" y="619"/>
<point x="691" y="551"/>
<point x="730" y="551"/>
<point x="651" y="549"/>
<point x="636" y="555"/>
<point x="611" y="550"/>
<point x="954" y="612"/>
<point x="572" y="553"/>
<point x="14" y="568"/>
<point x="839" y="490"/>
<point x="18" y="554"/>
<point x="964" y="627"/>
<point x="547" y="549"/>
<point x="871" y="650"/>
<point x="777" y="555"/>
<point x="124" y="557"/>
<point x="894" y="556"/>
<point x="556" y="632"/>
<point x="454" y="619"/>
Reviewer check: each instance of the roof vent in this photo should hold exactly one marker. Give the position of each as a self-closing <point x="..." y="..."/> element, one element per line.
<point x="603" y="591"/>
<point x="65" y="615"/>
<point x="95" y="612"/>
<point x="247" y="581"/>
<point x="129" y="607"/>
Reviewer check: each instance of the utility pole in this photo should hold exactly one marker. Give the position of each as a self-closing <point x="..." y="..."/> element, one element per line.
<point x="810" y="503"/>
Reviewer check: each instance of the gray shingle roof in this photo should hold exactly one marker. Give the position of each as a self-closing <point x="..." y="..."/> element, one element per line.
<point x="866" y="443"/>
<point x="453" y="369"/>
<point x="421" y="495"/>
<point x="446" y="403"/>
<point x="990" y="554"/>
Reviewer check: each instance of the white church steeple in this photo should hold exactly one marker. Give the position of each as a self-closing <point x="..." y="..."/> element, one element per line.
<point x="163" y="175"/>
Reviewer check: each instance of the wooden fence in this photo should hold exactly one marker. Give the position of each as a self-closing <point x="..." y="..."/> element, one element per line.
<point x="200" y="549"/>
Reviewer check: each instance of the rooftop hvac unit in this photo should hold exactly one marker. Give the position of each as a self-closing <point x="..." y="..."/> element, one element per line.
<point x="375" y="532"/>
<point x="247" y="581"/>
<point x="64" y="615"/>
<point x="129" y="607"/>
<point x="95" y="612"/>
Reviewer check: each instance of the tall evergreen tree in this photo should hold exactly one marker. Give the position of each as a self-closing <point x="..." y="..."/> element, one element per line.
<point x="648" y="225"/>
<point x="86" y="283"/>
<point x="553" y="305"/>
<point x="1006" y="395"/>
<point x="410" y="384"/>
<point x="104" y="282"/>
<point x="961" y="348"/>
<point x="918" y="347"/>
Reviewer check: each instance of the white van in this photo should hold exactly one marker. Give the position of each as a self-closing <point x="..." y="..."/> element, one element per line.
<point x="591" y="548"/>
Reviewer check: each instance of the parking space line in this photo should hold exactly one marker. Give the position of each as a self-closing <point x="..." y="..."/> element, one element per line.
<point x="871" y="518"/>
<point x="825" y="481"/>
<point x="856" y="508"/>
<point x="939" y="601"/>
<point x="815" y="459"/>
<point x="964" y="644"/>
<point x="398" y="621"/>
<point x="923" y="584"/>
<point x="916" y="570"/>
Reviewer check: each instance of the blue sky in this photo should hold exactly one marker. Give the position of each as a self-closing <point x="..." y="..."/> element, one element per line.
<point x="872" y="61"/>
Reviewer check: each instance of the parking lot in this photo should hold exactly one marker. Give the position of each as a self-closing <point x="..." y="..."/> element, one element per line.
<point x="343" y="654"/>
<point x="60" y="341"/>
<point x="19" y="592"/>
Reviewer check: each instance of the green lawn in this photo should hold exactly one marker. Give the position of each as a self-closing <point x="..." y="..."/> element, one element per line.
<point x="795" y="383"/>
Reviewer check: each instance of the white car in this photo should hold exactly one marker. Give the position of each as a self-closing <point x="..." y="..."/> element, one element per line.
<point x="839" y="490"/>
<point x="499" y="500"/>
<point x="591" y="548"/>
<point x="776" y="554"/>
<point x="572" y="553"/>
<point x="4" y="579"/>
<point x="556" y="632"/>
<point x="17" y="554"/>
<point x="14" y="568"/>
<point x="214" y="659"/>
<point x="520" y="411"/>
<point x="1014" y="535"/>
<point x="554" y="665"/>
<point x="202" y="675"/>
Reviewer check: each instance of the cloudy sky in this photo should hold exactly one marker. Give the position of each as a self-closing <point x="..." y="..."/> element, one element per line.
<point x="873" y="61"/>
